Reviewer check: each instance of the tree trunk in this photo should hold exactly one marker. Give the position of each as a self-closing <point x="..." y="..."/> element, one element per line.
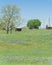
<point x="7" y="28"/>
<point x="11" y="27"/>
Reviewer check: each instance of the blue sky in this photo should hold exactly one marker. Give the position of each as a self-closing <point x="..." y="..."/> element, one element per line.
<point x="33" y="9"/>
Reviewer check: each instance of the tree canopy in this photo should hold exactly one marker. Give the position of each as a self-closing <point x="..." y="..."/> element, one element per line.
<point x="10" y="13"/>
<point x="33" y="24"/>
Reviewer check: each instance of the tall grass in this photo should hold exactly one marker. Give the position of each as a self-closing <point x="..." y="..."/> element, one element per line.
<point x="28" y="47"/>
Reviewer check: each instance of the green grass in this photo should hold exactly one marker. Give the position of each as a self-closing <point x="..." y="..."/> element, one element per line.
<point x="28" y="47"/>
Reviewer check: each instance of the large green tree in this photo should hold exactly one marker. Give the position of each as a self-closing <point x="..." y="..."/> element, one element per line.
<point x="10" y="13"/>
<point x="33" y="24"/>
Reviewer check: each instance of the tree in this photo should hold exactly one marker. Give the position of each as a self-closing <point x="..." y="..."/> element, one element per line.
<point x="10" y="13"/>
<point x="33" y="24"/>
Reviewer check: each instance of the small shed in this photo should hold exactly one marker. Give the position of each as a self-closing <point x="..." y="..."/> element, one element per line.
<point x="18" y="28"/>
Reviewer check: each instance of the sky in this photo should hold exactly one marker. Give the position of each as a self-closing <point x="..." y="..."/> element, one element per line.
<point x="33" y="9"/>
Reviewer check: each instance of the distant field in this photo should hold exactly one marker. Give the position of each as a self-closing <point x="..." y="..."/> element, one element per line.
<point x="28" y="47"/>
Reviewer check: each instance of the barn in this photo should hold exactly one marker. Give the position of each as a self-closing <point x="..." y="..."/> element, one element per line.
<point x="48" y="27"/>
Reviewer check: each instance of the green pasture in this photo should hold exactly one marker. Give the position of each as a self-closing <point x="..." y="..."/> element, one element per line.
<point x="28" y="47"/>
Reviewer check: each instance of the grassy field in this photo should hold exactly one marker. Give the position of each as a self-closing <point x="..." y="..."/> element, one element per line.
<point x="28" y="47"/>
